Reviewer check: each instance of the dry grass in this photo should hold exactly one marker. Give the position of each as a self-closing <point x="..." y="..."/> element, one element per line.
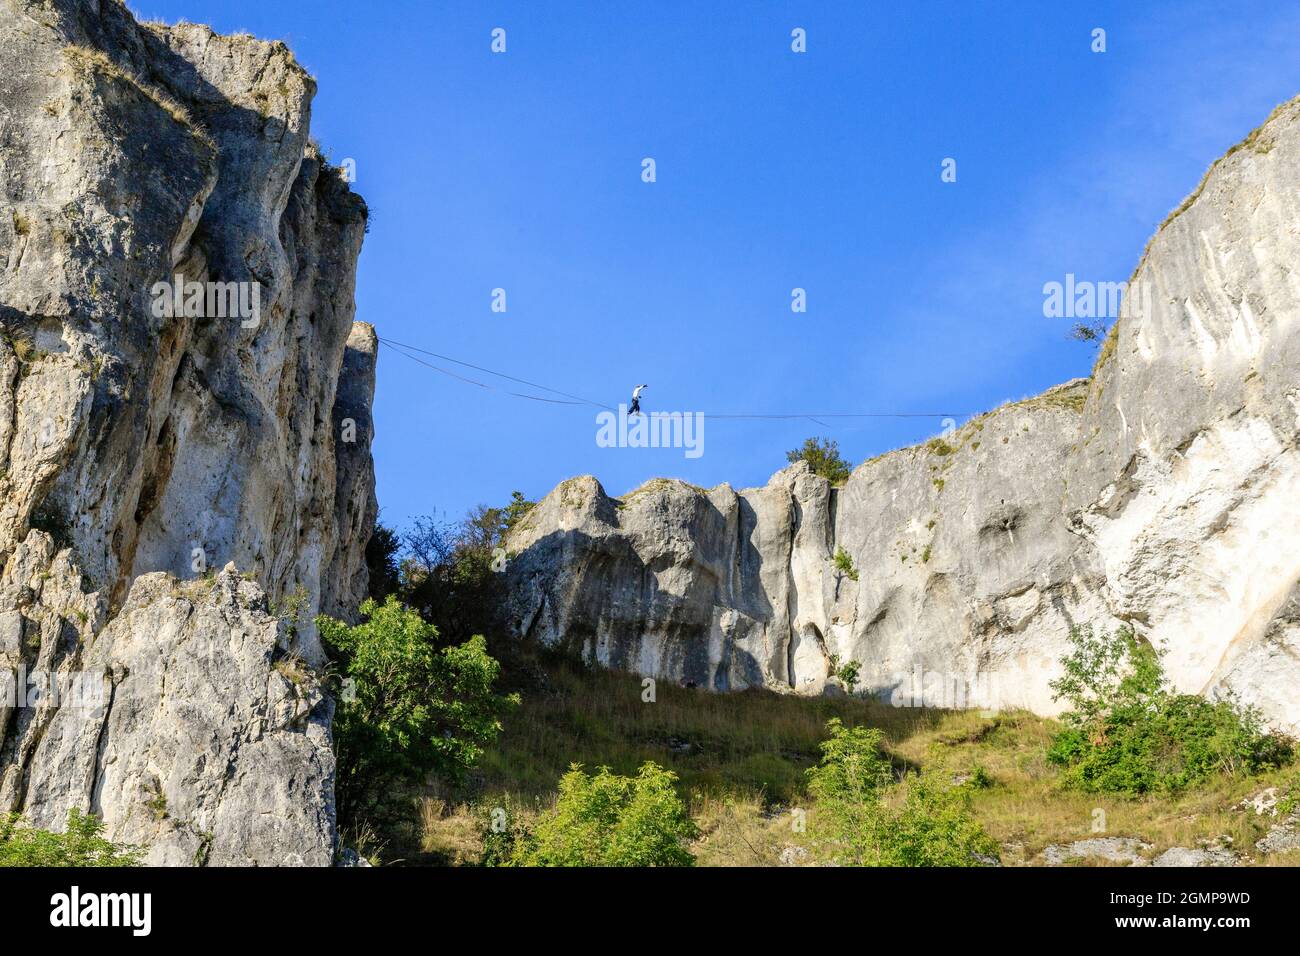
<point x="1255" y="141"/>
<point x="739" y="744"/>
<point x="295" y="670"/>
<point x="741" y="760"/>
<point x="450" y="836"/>
<point x="1107" y="351"/>
<point x="1072" y="399"/>
<point x="1289" y="858"/>
<point x="1026" y="806"/>
<point x="89" y="60"/>
<point x="743" y="832"/>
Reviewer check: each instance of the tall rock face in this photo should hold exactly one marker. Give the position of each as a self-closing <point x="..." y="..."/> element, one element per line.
<point x="1161" y="493"/>
<point x="141" y="452"/>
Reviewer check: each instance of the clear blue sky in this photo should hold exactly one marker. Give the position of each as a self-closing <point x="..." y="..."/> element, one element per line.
<point x="775" y="170"/>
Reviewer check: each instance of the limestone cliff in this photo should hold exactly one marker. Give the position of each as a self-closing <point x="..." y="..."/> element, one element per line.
<point x="140" y="453"/>
<point x="1161" y="492"/>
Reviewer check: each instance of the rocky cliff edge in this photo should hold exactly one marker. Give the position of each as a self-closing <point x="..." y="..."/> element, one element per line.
<point x="1159" y="493"/>
<point x="144" y="448"/>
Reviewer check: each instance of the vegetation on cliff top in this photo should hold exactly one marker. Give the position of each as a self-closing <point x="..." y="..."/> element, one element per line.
<point x="824" y="458"/>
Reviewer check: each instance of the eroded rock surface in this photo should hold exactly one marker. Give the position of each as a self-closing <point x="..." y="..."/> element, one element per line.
<point x="1159" y="493"/>
<point x="1122" y="850"/>
<point x="140" y="453"/>
<point x="1196" y="856"/>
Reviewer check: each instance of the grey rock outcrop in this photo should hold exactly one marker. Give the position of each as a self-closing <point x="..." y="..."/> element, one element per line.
<point x="207" y="742"/>
<point x="1158" y="493"/>
<point x="1123" y="850"/>
<point x="140" y="452"/>
<point x="1282" y="837"/>
<point x="1196" y="856"/>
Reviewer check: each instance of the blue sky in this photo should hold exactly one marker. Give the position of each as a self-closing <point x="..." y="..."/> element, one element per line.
<point x="775" y="170"/>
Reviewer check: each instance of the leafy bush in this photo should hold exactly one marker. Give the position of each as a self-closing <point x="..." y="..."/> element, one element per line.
<point x="1128" y="732"/>
<point x="610" y="820"/>
<point x="847" y="672"/>
<point x="823" y="457"/>
<point x="844" y="564"/>
<point x="291" y="608"/>
<point x="934" y="827"/>
<point x="504" y="836"/>
<point x="869" y="820"/>
<point x="80" y="845"/>
<point x="410" y="707"/>
<point x="848" y="781"/>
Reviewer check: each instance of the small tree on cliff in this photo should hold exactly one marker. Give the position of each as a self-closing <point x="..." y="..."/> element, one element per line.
<point x="823" y="457"/>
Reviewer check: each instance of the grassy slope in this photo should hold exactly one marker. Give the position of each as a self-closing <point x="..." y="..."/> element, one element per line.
<point x="743" y="771"/>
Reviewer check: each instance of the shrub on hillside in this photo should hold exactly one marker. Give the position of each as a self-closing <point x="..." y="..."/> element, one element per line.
<point x="865" y="818"/>
<point x="409" y="707"/>
<point x="81" y="844"/>
<point x="1128" y="732"/>
<point x="610" y="820"/>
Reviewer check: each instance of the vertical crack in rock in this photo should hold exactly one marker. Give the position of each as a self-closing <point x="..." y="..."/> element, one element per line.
<point x="791" y="591"/>
<point x="101" y="742"/>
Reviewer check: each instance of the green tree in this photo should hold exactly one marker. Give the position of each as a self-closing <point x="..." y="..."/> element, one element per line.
<point x="1103" y="672"/>
<point x="1128" y="732"/>
<point x="823" y="457"/>
<point x="610" y="820"/>
<point x="447" y="572"/>
<point x="867" y="819"/>
<point x="846" y="784"/>
<point x="382" y="561"/>
<point x="409" y="708"/>
<point x="81" y="844"/>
